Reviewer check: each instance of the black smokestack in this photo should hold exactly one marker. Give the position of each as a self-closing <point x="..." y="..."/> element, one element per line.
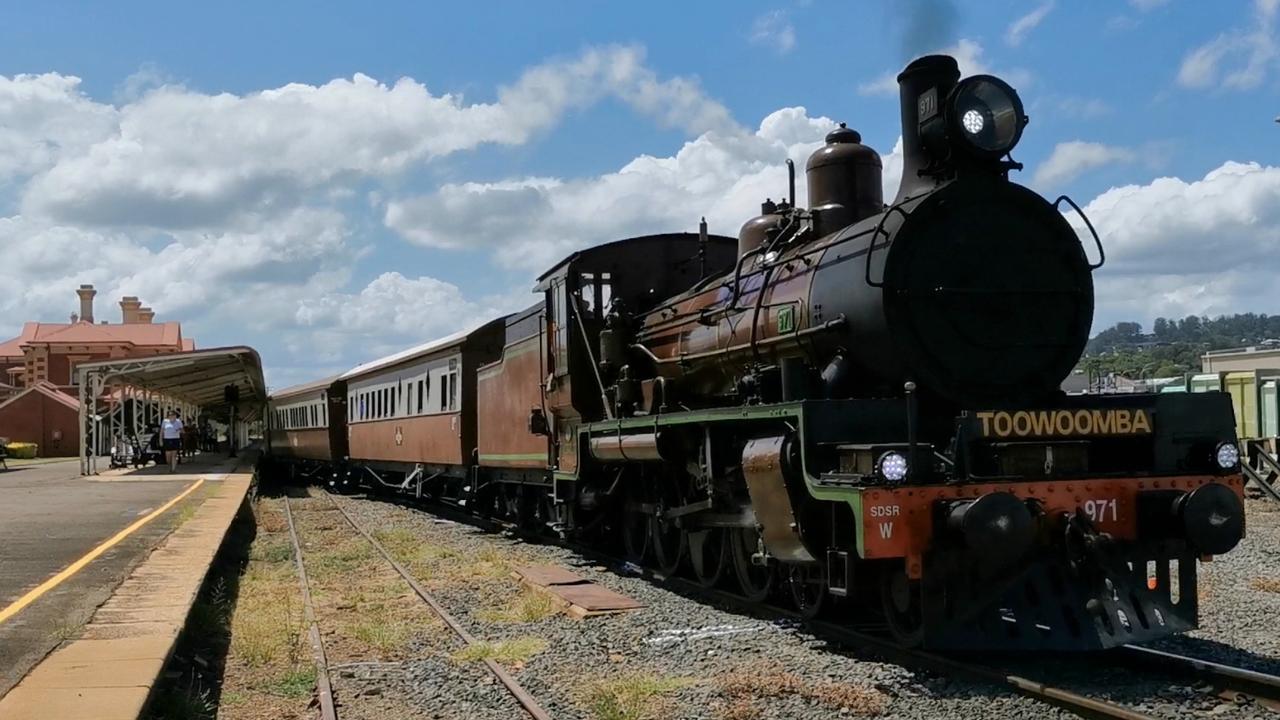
<point x="923" y="85"/>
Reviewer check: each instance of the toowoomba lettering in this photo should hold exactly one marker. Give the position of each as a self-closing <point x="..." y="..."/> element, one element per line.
<point x="1064" y="423"/>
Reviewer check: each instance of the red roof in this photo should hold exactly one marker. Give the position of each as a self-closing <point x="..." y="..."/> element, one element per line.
<point x="49" y="390"/>
<point x="11" y="348"/>
<point x="167" y="334"/>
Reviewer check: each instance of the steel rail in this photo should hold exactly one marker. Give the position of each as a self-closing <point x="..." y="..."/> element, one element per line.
<point x="323" y="688"/>
<point x="521" y="695"/>
<point x="1230" y="681"/>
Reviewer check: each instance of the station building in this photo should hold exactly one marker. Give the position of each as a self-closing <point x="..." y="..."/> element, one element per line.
<point x="39" y="395"/>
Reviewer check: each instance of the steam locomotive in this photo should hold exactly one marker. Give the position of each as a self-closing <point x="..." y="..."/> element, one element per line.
<point x="854" y="406"/>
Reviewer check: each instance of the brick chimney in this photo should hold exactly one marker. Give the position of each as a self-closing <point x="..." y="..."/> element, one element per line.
<point x="86" y="293"/>
<point x="146" y="315"/>
<point x="129" y="306"/>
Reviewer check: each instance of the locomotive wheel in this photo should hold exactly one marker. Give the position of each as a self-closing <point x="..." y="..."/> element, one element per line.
<point x="709" y="555"/>
<point x="636" y="537"/>
<point x="808" y="585"/>
<point x="545" y="512"/>
<point x="755" y="581"/>
<point x="902" y="606"/>
<point x="511" y="503"/>
<point x="670" y="543"/>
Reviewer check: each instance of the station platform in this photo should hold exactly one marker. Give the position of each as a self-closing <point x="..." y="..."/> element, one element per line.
<point x="97" y="576"/>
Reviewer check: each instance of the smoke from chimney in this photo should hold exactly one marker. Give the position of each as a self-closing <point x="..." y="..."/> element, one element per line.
<point x="925" y="26"/>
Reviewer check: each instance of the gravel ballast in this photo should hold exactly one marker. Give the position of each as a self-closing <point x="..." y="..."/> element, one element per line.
<point x="681" y="658"/>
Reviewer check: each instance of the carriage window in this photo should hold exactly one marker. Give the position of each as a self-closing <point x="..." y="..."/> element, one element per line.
<point x="453" y="390"/>
<point x="444" y="392"/>
<point x="420" y="389"/>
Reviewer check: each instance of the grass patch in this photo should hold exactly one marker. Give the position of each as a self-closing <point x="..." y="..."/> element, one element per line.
<point x="67" y="629"/>
<point x="382" y="631"/>
<point x="1266" y="584"/>
<point x="344" y="557"/>
<point x="185" y="513"/>
<point x="768" y="680"/>
<point x="296" y="683"/>
<point x="275" y="550"/>
<point x="517" y="650"/>
<point x="640" y="696"/>
<point x="268" y="622"/>
<point x="529" y="606"/>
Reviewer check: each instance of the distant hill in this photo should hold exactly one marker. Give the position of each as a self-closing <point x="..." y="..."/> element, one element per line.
<point x="1173" y="347"/>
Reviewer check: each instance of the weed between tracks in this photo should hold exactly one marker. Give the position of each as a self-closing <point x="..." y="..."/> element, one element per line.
<point x="1266" y="584"/>
<point x="769" y="680"/>
<point x="635" y="696"/>
<point x="516" y="651"/>
<point x="529" y="606"/>
<point x="365" y="610"/>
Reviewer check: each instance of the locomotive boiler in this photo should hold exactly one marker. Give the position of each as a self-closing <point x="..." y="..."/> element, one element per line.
<point x="972" y="287"/>
<point x="853" y="405"/>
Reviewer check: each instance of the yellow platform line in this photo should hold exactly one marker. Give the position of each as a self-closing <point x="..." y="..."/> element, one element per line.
<point x="76" y="566"/>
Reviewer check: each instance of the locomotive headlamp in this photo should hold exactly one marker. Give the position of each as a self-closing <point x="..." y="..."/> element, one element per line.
<point x="1228" y="455"/>
<point x="892" y="467"/>
<point x="986" y="115"/>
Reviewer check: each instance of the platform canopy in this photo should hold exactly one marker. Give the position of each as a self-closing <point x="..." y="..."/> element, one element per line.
<point x="193" y="383"/>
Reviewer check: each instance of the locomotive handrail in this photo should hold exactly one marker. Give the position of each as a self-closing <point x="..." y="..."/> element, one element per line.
<point x="730" y="306"/>
<point x="591" y="357"/>
<point x="828" y="325"/>
<point x="871" y="246"/>
<point x="1102" y="254"/>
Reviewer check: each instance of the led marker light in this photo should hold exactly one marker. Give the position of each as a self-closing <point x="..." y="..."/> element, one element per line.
<point x="1228" y="455"/>
<point x="892" y="466"/>
<point x="972" y="121"/>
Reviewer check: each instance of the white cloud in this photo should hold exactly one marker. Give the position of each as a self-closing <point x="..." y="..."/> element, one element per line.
<point x="177" y="158"/>
<point x="1239" y="59"/>
<point x="1176" y="248"/>
<point x="531" y="222"/>
<point x="233" y="212"/>
<point x="45" y="118"/>
<point x="969" y="57"/>
<point x="1071" y="159"/>
<point x="1020" y="28"/>
<point x="774" y="30"/>
<point x="1081" y="108"/>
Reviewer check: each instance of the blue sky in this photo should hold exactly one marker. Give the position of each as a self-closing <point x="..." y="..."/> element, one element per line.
<point x="330" y="181"/>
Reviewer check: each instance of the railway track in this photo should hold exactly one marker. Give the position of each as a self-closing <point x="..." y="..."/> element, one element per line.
<point x="328" y="711"/>
<point x="1231" y="683"/>
<point x="324" y="689"/>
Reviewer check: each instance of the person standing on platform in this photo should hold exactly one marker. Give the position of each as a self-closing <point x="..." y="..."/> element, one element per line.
<point x="171" y="439"/>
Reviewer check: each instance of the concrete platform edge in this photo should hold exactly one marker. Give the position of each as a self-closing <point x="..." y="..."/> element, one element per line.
<point x="110" y="671"/>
